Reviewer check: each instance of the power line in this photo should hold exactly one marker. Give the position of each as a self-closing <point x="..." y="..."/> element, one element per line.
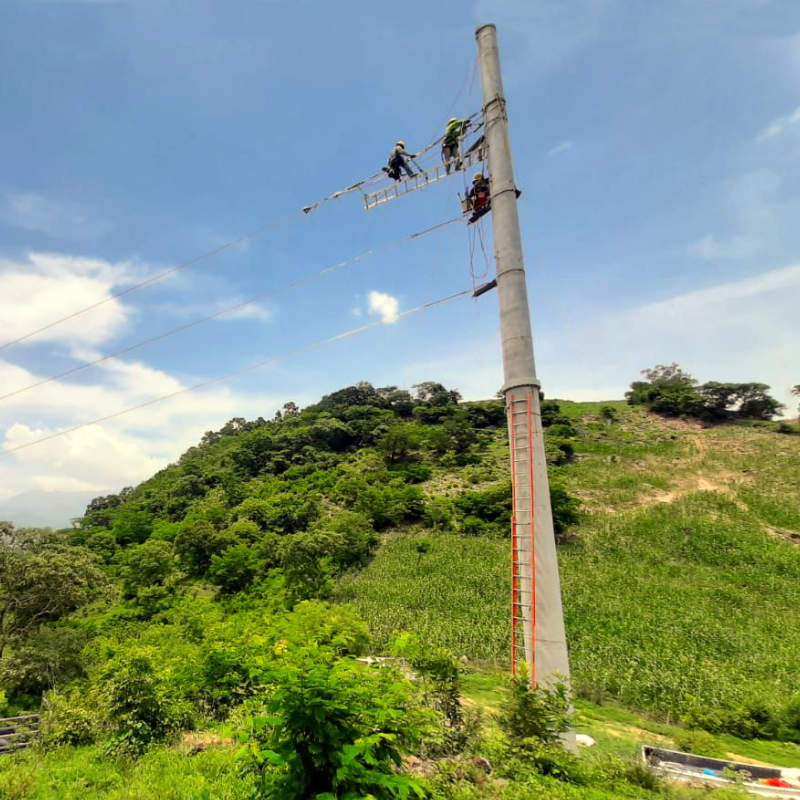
<point x="228" y="309"/>
<point x="149" y="281"/>
<point x="377" y="177"/>
<point x="235" y="373"/>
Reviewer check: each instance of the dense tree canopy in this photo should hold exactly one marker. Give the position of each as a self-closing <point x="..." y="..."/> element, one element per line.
<point x="670" y="391"/>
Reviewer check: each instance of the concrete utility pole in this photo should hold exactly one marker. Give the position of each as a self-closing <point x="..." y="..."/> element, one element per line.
<point x="537" y="623"/>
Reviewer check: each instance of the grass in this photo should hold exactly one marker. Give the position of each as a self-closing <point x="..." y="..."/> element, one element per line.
<point x="454" y="596"/>
<point x="675" y="586"/>
<point x="681" y="581"/>
<point x="84" y="773"/>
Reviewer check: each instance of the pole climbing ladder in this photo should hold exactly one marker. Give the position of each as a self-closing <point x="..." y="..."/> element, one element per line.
<point x="523" y="579"/>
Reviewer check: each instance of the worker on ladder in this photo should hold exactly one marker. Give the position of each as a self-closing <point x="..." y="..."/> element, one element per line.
<point x="397" y="162"/>
<point x="451" y="142"/>
<point x="478" y="199"/>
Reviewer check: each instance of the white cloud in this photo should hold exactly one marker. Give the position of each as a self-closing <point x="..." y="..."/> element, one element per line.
<point x="740" y="331"/>
<point x="34" y="211"/>
<point x="249" y="311"/>
<point x="64" y="483"/>
<point x="561" y="147"/>
<point x="779" y="125"/>
<point x="750" y="201"/>
<point x="48" y="286"/>
<point x="709" y="248"/>
<point x="385" y="305"/>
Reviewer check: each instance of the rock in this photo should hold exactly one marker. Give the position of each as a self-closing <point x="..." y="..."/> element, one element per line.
<point x="584" y="740"/>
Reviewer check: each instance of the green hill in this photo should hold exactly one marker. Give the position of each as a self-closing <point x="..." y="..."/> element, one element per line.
<point x="188" y="601"/>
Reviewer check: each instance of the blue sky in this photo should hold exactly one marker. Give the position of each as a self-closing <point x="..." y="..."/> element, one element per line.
<point x="657" y="146"/>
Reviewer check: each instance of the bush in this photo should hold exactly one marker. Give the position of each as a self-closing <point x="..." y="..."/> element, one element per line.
<point x="751" y="719"/>
<point x="699" y="742"/>
<point x="558" y="451"/>
<point x="439" y="676"/>
<point x="492" y="505"/>
<point x="68" y="718"/>
<point x="563" y="431"/>
<point x="235" y="568"/>
<point x="334" y="728"/>
<point x="565" y="508"/>
<point x="412" y="473"/>
<point x="535" y="713"/>
<point x="196" y="543"/>
<point x="138" y="707"/>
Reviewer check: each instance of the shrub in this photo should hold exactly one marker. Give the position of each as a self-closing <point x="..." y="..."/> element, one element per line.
<point x="334" y="728"/>
<point x="558" y="451"/>
<point x="472" y="526"/>
<point x="535" y="713"/>
<point x="235" y="568"/>
<point x="550" y="409"/>
<point x="138" y="707"/>
<point x="565" y="508"/>
<point x="68" y="718"/>
<point x="439" y="676"/>
<point x="700" y="742"/>
<point x="492" y="505"/>
<point x="564" y="431"/>
<point x="412" y="473"/>
<point x="609" y="413"/>
<point x="752" y="718"/>
<point x="196" y="543"/>
<point x="439" y="513"/>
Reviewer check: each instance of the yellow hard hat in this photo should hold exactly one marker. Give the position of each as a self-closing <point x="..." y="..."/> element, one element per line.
<point x="400" y="144"/>
<point x="452" y="120"/>
<point x="478" y="176"/>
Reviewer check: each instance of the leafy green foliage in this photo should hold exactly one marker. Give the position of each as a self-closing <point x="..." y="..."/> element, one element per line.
<point x="671" y="392"/>
<point x="334" y="728"/>
<point x="42" y="580"/>
<point x="540" y="713"/>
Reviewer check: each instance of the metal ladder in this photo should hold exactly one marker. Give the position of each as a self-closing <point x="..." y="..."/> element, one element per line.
<point x="422" y="179"/>
<point x="523" y="605"/>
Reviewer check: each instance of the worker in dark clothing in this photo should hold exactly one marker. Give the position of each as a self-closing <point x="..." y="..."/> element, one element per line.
<point x="478" y="196"/>
<point x="455" y="129"/>
<point x="397" y="162"/>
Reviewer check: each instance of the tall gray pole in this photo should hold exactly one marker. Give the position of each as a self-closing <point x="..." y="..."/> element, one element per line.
<point x="538" y="636"/>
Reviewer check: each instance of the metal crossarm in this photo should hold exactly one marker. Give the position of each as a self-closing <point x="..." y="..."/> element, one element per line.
<point x="421" y="180"/>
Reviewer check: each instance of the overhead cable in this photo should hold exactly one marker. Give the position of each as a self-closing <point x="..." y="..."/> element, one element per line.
<point x="149" y="281"/>
<point x="376" y="177"/>
<point x="236" y="373"/>
<point x="157" y="278"/>
<point x="228" y="309"/>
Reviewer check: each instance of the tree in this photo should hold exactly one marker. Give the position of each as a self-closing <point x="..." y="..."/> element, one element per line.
<point x="669" y="375"/>
<point x="396" y="444"/>
<point x="796" y="392"/>
<point x="197" y="542"/>
<point x="745" y="400"/>
<point x="149" y="574"/>
<point x="235" y="568"/>
<point x="434" y="394"/>
<point x="42" y="580"/>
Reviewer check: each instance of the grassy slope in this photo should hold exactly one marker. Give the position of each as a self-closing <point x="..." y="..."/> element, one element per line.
<point x="682" y="578"/>
<point x="680" y="523"/>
